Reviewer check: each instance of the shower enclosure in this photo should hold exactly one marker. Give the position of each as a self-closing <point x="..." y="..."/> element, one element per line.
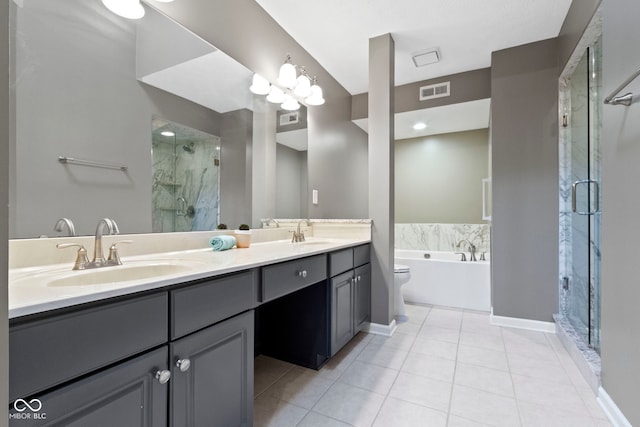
<point x="580" y="191"/>
<point x="186" y="176"/>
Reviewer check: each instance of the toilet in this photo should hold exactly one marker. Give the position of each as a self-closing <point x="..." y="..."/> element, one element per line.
<point x="401" y="275"/>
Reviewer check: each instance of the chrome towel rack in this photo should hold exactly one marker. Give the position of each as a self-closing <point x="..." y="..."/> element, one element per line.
<point x="626" y="99"/>
<point x="73" y="161"/>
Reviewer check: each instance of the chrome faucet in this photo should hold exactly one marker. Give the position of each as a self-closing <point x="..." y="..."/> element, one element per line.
<point x="266" y="222"/>
<point x="472" y="249"/>
<point x="98" y="255"/>
<point x="298" y="235"/>
<point x="62" y="222"/>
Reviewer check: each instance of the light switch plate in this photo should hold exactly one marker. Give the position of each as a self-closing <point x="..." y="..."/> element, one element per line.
<point x="314" y="197"/>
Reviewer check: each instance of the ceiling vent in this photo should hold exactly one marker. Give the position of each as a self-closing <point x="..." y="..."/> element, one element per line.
<point x="289" y="118"/>
<point x="438" y="90"/>
<point x="426" y="57"/>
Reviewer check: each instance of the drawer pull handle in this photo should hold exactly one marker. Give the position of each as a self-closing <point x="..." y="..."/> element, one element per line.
<point x="183" y="364"/>
<point x="302" y="273"/>
<point x="163" y="376"/>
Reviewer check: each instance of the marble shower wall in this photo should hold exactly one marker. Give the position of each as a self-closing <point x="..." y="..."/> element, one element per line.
<point x="185" y="192"/>
<point x="441" y="237"/>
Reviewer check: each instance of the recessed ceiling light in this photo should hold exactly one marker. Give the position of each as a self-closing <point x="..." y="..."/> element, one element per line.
<point x="167" y="133"/>
<point x="419" y="126"/>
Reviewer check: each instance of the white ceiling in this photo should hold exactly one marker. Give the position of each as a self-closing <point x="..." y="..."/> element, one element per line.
<point x="337" y="32"/>
<point x="446" y="119"/>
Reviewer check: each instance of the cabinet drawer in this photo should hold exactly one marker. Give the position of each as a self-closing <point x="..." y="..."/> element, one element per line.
<point x="47" y="352"/>
<point x="200" y="305"/>
<point x="287" y="277"/>
<point x="361" y="255"/>
<point x="340" y="261"/>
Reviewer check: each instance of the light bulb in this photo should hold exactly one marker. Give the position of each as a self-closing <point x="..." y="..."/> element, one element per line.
<point x="260" y="85"/>
<point x="130" y="9"/>
<point x="420" y="126"/>
<point x="276" y="95"/>
<point x="316" y="97"/>
<point x="287" y="75"/>
<point x="303" y="87"/>
<point x="290" y="104"/>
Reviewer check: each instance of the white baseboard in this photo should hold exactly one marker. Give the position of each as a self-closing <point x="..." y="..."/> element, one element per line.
<point x="380" y="329"/>
<point x="612" y="411"/>
<point x="516" y="322"/>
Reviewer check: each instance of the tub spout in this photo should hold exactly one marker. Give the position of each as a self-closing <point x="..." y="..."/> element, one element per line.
<point x="472" y="249"/>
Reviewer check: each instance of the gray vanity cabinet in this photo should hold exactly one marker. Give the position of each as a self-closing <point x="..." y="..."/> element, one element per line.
<point x="212" y="375"/>
<point x="128" y="394"/>
<point x="350" y="294"/>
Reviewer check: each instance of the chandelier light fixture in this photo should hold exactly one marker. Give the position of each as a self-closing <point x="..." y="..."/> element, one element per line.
<point x="294" y="86"/>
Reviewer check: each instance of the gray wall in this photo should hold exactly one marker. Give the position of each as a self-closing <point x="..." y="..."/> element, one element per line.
<point x="578" y="17"/>
<point x="4" y="212"/>
<point x="337" y="158"/>
<point x="81" y="99"/>
<point x="524" y="234"/>
<point x="467" y="86"/>
<point x="291" y="182"/>
<point x="438" y="178"/>
<point x="620" y="232"/>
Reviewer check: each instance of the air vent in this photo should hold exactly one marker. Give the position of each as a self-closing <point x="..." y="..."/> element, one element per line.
<point x="438" y="90"/>
<point x="289" y="118"/>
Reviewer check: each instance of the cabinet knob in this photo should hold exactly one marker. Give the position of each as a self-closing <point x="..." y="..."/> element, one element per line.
<point x="163" y="376"/>
<point x="183" y="364"/>
<point x="302" y="273"/>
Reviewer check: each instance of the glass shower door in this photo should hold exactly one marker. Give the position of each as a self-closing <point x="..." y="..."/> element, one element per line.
<point x="583" y="293"/>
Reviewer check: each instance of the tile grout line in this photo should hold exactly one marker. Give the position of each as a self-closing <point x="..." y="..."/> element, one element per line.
<point x="455" y="369"/>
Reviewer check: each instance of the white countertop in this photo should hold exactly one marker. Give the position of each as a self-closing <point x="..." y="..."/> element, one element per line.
<point x="30" y="289"/>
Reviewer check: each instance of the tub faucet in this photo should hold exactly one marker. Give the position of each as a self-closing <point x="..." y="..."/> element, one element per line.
<point x="98" y="255"/>
<point x="472" y="249"/>
<point x="62" y="222"/>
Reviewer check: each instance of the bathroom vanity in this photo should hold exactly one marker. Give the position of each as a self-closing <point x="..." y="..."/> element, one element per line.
<point x="181" y="353"/>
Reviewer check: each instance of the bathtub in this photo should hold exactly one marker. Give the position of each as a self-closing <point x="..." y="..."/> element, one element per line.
<point x="444" y="280"/>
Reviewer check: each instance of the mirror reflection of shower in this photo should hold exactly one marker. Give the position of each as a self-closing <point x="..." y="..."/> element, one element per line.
<point x="186" y="178"/>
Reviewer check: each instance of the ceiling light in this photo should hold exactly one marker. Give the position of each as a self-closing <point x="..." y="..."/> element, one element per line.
<point x="316" y="97"/>
<point x="290" y="104"/>
<point x="303" y="86"/>
<point x="167" y="133"/>
<point x="287" y="75"/>
<point x="276" y="95"/>
<point x="130" y="9"/>
<point x="164" y="1"/>
<point x="419" y="126"/>
<point x="260" y="85"/>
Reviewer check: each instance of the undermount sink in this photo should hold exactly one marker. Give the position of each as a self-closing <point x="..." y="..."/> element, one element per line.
<point x="312" y="242"/>
<point x="120" y="273"/>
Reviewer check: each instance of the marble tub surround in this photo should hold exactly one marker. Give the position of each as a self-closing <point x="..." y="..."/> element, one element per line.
<point x="441" y="237"/>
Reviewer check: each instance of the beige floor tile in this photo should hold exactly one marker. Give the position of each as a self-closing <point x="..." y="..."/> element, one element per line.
<point x="299" y="387"/>
<point x="370" y="377"/>
<point x="489" y="342"/>
<point x="434" y="367"/>
<point x="591" y="402"/>
<point x="491" y="380"/>
<point x="399" y="413"/>
<point x="398" y="340"/>
<point x="479" y="324"/>
<point x="431" y="347"/>
<point x="422" y="391"/>
<point x="548" y="370"/>
<point x="408" y="328"/>
<point x="350" y="404"/>
<point x="267" y="371"/>
<point x="272" y="412"/>
<point x="544" y="416"/>
<point x="483" y="357"/>
<point x="440" y="334"/>
<point x="314" y="419"/>
<point x="387" y="357"/>
<point x="456" y="421"/>
<point x="483" y="407"/>
<point x="562" y="396"/>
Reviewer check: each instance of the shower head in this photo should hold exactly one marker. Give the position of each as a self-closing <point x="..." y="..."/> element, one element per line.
<point x="188" y="148"/>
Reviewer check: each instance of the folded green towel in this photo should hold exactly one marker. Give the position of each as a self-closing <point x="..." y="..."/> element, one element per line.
<point x="222" y="243"/>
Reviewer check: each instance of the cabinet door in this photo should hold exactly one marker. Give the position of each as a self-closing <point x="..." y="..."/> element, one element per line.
<point x="126" y="395"/>
<point x="362" y="296"/>
<point x="341" y="311"/>
<point x="212" y="376"/>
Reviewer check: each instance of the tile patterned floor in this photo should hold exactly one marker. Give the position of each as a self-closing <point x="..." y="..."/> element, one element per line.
<point x="443" y="367"/>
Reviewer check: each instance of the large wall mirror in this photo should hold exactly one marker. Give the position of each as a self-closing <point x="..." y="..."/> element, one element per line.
<point x="90" y="85"/>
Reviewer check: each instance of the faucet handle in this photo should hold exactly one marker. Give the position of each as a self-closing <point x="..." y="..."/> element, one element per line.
<point x="114" y="257"/>
<point x="81" y="259"/>
<point x="463" y="256"/>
